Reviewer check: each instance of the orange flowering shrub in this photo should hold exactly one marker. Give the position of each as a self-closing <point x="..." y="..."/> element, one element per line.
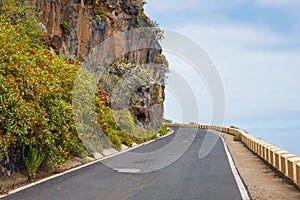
<point x="36" y="90"/>
<point x="36" y="95"/>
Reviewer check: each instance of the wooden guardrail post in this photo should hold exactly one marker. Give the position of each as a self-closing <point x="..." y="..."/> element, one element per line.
<point x="292" y="162"/>
<point x="284" y="163"/>
<point x="277" y="157"/>
<point x="298" y="174"/>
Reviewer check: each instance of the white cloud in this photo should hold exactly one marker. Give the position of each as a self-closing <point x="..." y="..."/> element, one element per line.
<point x="241" y="34"/>
<point x="280" y="3"/>
<point x="160" y="7"/>
<point x="259" y="69"/>
<point x="171" y="5"/>
<point x="259" y="64"/>
<point x="202" y="6"/>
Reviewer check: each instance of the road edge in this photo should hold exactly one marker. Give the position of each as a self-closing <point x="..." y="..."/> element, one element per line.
<point x="80" y="167"/>
<point x="241" y="185"/>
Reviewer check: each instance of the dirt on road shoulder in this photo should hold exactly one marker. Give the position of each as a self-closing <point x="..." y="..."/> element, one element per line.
<point x="262" y="181"/>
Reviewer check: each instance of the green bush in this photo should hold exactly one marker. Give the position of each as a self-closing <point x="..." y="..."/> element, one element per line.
<point x="115" y="140"/>
<point x="159" y="33"/>
<point x="101" y="11"/>
<point x="128" y="142"/>
<point x="156" y="92"/>
<point x="163" y="130"/>
<point x="65" y="26"/>
<point x="125" y="138"/>
<point x="125" y="120"/>
<point x="161" y="59"/>
<point x="33" y="161"/>
<point x="237" y="137"/>
<point x="22" y="15"/>
<point x="235" y="127"/>
<point x="36" y="95"/>
<point x="140" y="135"/>
<point x="152" y="135"/>
<point x="104" y="112"/>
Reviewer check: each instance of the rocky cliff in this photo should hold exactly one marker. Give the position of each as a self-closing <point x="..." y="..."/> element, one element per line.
<point x="75" y="27"/>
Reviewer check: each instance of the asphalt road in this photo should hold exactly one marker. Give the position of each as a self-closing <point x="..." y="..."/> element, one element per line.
<point x="142" y="174"/>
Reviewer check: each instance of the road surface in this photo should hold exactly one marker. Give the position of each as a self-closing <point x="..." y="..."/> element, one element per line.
<point x="184" y="178"/>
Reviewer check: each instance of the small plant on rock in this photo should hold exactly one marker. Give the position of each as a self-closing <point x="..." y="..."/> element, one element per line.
<point x="65" y="26"/>
<point x="101" y="11"/>
<point x="159" y="33"/>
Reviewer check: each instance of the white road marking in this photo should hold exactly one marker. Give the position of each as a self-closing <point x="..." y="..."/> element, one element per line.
<point x="128" y="170"/>
<point x="235" y="173"/>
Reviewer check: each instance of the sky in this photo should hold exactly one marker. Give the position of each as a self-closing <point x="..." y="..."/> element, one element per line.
<point x="255" y="46"/>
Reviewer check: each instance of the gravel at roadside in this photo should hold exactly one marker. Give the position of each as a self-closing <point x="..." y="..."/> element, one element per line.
<point x="263" y="183"/>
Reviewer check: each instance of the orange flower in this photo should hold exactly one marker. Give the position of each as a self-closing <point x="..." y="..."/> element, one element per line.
<point x="41" y="66"/>
<point x="103" y="96"/>
<point x="32" y="51"/>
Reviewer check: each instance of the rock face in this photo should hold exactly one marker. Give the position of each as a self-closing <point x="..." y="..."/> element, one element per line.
<point x="75" y="28"/>
<point x="89" y="27"/>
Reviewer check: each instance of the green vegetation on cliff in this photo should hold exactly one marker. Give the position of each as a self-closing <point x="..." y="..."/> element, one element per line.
<point x="36" y="95"/>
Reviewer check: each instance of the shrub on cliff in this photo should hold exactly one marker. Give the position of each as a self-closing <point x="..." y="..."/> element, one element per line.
<point x="65" y="26"/>
<point x="22" y="14"/>
<point x="36" y="93"/>
<point x="35" y="101"/>
<point x="100" y="11"/>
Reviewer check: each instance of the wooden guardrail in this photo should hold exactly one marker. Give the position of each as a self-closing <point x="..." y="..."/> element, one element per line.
<point x="286" y="163"/>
